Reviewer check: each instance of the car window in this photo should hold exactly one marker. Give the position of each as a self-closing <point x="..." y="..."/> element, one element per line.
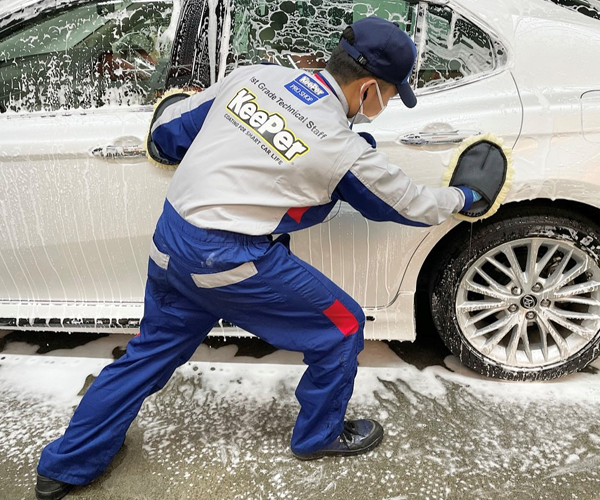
<point x="589" y="8"/>
<point x="455" y="48"/>
<point x="92" y="55"/>
<point x="303" y="33"/>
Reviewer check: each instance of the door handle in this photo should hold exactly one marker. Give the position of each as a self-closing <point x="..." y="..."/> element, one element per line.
<point x="433" y="138"/>
<point x="111" y="151"/>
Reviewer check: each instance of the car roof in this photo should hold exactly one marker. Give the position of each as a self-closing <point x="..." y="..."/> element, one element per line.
<point x="13" y="11"/>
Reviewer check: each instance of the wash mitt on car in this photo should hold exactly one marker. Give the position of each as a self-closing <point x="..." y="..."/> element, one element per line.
<point x="152" y="152"/>
<point x="484" y="165"/>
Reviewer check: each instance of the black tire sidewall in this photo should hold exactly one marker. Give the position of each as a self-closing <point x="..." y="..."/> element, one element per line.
<point x="479" y="240"/>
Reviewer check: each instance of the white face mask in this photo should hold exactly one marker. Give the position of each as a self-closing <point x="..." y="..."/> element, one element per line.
<point x="360" y="117"/>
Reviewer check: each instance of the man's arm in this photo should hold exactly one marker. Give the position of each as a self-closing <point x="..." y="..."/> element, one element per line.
<point x="381" y="191"/>
<point x="176" y="122"/>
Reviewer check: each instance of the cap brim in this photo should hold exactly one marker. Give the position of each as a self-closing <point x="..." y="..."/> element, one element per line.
<point x="407" y="95"/>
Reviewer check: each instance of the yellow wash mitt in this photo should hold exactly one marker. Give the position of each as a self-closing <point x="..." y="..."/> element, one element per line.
<point x="169" y="97"/>
<point x="483" y="164"/>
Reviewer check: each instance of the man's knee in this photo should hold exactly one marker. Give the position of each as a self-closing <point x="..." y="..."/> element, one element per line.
<point x="357" y="336"/>
<point x="333" y="345"/>
<point x="348" y="317"/>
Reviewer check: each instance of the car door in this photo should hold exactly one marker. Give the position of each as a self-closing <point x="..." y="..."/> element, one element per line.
<point x="464" y="88"/>
<point x="351" y="250"/>
<point x="79" y="200"/>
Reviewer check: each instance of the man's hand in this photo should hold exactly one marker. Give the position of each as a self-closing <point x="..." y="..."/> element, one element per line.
<point x="466" y="189"/>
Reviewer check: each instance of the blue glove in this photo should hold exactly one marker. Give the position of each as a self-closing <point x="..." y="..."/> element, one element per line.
<point x="476" y="196"/>
<point x="369" y="138"/>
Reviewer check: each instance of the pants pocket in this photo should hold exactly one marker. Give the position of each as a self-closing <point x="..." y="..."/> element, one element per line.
<point x="225" y="278"/>
<point x="161" y="259"/>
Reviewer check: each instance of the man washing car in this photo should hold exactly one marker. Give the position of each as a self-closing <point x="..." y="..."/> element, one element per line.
<point x="265" y="151"/>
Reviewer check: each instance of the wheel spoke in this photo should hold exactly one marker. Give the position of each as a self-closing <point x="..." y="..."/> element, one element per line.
<point x="511" y="350"/>
<point x="515" y="266"/>
<point x="554" y="278"/>
<point x="530" y="267"/>
<point x="544" y="260"/>
<point x="493" y="341"/>
<point x="567" y="291"/>
<point x="480" y="305"/>
<point x="493" y="326"/>
<point x="578" y="300"/>
<point x="571" y="275"/>
<point x="525" y="338"/>
<point x="575" y="328"/>
<point x="544" y="337"/>
<point x="563" y="313"/>
<point x="563" y="348"/>
<point x="482" y="315"/>
<point x="492" y="282"/>
<point x="474" y="287"/>
<point x="506" y="270"/>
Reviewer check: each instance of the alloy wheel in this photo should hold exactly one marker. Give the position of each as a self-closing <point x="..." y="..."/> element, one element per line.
<point x="530" y="303"/>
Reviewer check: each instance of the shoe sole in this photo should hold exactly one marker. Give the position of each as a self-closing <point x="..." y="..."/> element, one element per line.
<point x="350" y="453"/>
<point x="52" y="495"/>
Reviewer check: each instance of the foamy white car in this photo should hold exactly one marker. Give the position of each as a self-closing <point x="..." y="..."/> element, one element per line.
<point x="517" y="296"/>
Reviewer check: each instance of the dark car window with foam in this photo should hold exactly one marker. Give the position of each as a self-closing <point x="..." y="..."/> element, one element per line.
<point x="91" y="55"/>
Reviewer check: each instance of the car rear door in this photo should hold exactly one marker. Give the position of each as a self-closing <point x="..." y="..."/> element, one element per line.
<point x="79" y="199"/>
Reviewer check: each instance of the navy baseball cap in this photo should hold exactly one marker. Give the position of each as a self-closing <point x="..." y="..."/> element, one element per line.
<point x="382" y="48"/>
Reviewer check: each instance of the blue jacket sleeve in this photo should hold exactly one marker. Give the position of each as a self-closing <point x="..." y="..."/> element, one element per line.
<point x="381" y="191"/>
<point x="180" y="122"/>
<point x="354" y="192"/>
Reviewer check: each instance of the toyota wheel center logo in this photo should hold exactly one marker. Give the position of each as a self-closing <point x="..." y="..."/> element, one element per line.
<point x="528" y="302"/>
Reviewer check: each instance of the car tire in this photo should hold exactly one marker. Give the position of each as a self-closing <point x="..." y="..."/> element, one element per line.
<point x="516" y="317"/>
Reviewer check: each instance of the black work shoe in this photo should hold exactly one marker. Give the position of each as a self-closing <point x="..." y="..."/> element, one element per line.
<point x="358" y="437"/>
<point x="50" y="489"/>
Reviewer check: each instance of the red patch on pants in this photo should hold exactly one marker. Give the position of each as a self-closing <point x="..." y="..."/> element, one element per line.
<point x="342" y="318"/>
<point x="297" y="213"/>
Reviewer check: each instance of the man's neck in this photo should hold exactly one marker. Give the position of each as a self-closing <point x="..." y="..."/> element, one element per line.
<point x="337" y="89"/>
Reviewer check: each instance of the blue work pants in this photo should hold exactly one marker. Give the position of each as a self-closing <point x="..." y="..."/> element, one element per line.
<point x="195" y="277"/>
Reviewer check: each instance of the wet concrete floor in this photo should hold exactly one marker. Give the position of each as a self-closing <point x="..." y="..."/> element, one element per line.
<point x="220" y="429"/>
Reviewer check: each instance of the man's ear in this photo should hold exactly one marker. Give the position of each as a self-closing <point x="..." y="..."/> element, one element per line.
<point x="364" y="97"/>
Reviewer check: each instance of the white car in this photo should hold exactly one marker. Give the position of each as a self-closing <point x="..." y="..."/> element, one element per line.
<point x="516" y="296"/>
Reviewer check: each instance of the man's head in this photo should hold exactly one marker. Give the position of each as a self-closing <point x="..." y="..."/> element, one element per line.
<point x="373" y="63"/>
